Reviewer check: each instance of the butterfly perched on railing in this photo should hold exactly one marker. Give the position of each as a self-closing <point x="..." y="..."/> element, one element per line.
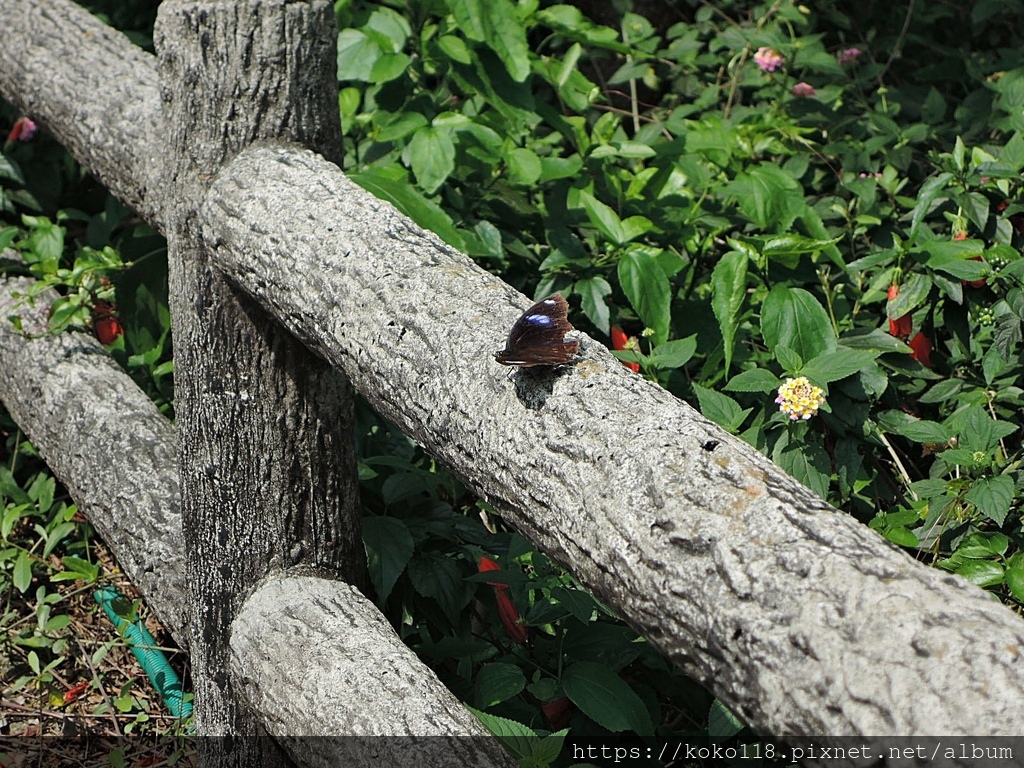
<point x="538" y="337"/>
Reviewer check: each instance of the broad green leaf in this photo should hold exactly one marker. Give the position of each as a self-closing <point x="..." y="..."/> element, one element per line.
<point x="389" y="28"/>
<point x="993" y="496"/>
<point x="983" y="545"/>
<point x="806" y="462"/>
<point x="496" y="23"/>
<point x="836" y="364"/>
<point x="496" y="683"/>
<point x="592" y="291"/>
<point x="728" y="291"/>
<point x="648" y="290"/>
<point x="560" y="167"/>
<point x="922" y="431"/>
<point x="983" y="573"/>
<point x="722" y="723"/>
<point x="928" y="194"/>
<point x="569" y="20"/>
<point x="524" y="166"/>
<point x="674" y="354"/>
<point x="958" y="258"/>
<point x="754" y="380"/>
<point x="400" y="126"/>
<point x="794" y="318"/>
<point x="605" y="698"/>
<point x="768" y="196"/>
<point x="576" y="601"/>
<point x="357" y="54"/>
<point x="412" y="203"/>
<point x="389" y="547"/>
<point x="22" y="572"/>
<point x="913" y="293"/>
<point x="603" y="217"/>
<point x="389" y="67"/>
<point x="433" y="157"/>
<point x="897" y="534"/>
<point x="455" y="48"/>
<point x="1015" y="581"/>
<point x="721" y="409"/>
<point x="436" y="576"/>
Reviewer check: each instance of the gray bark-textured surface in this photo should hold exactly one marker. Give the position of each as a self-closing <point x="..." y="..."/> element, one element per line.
<point x="326" y="640"/>
<point x="802" y="620"/>
<point x="106" y="441"/>
<point x="90" y="87"/>
<point x="268" y="471"/>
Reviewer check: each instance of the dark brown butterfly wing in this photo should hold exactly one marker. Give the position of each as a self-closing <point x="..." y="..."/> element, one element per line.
<point x="538" y="337"/>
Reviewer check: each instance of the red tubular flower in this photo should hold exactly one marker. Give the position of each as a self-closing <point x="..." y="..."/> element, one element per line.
<point x="921" y="347"/>
<point x="105" y="324"/>
<point x="507" y="612"/>
<point x="902" y="326"/>
<point x="619" y="342"/>
<point x="24" y="130"/>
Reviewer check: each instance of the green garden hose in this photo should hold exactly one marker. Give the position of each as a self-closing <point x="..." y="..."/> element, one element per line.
<point x="154" y="662"/>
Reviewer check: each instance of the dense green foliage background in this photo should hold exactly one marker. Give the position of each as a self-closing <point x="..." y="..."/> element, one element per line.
<point x="732" y="194"/>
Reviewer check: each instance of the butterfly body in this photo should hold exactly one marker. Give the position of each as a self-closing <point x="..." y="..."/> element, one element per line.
<point x="538" y="336"/>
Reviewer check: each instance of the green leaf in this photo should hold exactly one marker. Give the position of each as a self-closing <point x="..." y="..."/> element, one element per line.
<point x="836" y="364"/>
<point x="957" y="258"/>
<point x="793" y="317"/>
<point x="22" y="572"/>
<point x="433" y="157"/>
<point x="603" y="217"/>
<point x="983" y="545"/>
<point x="929" y="192"/>
<point x="674" y="354"/>
<point x="899" y="535"/>
<point x="913" y="293"/>
<point x="496" y="683"/>
<point x="496" y="23"/>
<point x="436" y="576"/>
<point x="592" y="291"/>
<point x="728" y="291"/>
<point x="984" y="573"/>
<point x="993" y="497"/>
<point x="605" y="698"/>
<point x="389" y="67"/>
<point x="721" y="409"/>
<point x="389" y="28"/>
<point x="648" y="290"/>
<point x="922" y="431"/>
<point x="722" y="723"/>
<point x="1015" y="581"/>
<point x="357" y="53"/>
<point x="455" y="49"/>
<point x="401" y="126"/>
<point x="768" y="196"/>
<point x="389" y="547"/>
<point x="806" y="462"/>
<point x="524" y="166"/>
<point x="412" y="203"/>
<point x="754" y="380"/>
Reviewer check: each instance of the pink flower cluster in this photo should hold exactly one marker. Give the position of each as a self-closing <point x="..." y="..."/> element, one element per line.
<point x="24" y="130"/>
<point x="767" y="59"/>
<point x="803" y="90"/>
<point x="848" y="55"/>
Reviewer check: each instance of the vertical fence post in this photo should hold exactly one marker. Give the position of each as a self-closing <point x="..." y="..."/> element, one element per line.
<point x="268" y="475"/>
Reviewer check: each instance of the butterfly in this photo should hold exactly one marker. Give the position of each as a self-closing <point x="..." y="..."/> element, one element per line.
<point x="538" y="337"/>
